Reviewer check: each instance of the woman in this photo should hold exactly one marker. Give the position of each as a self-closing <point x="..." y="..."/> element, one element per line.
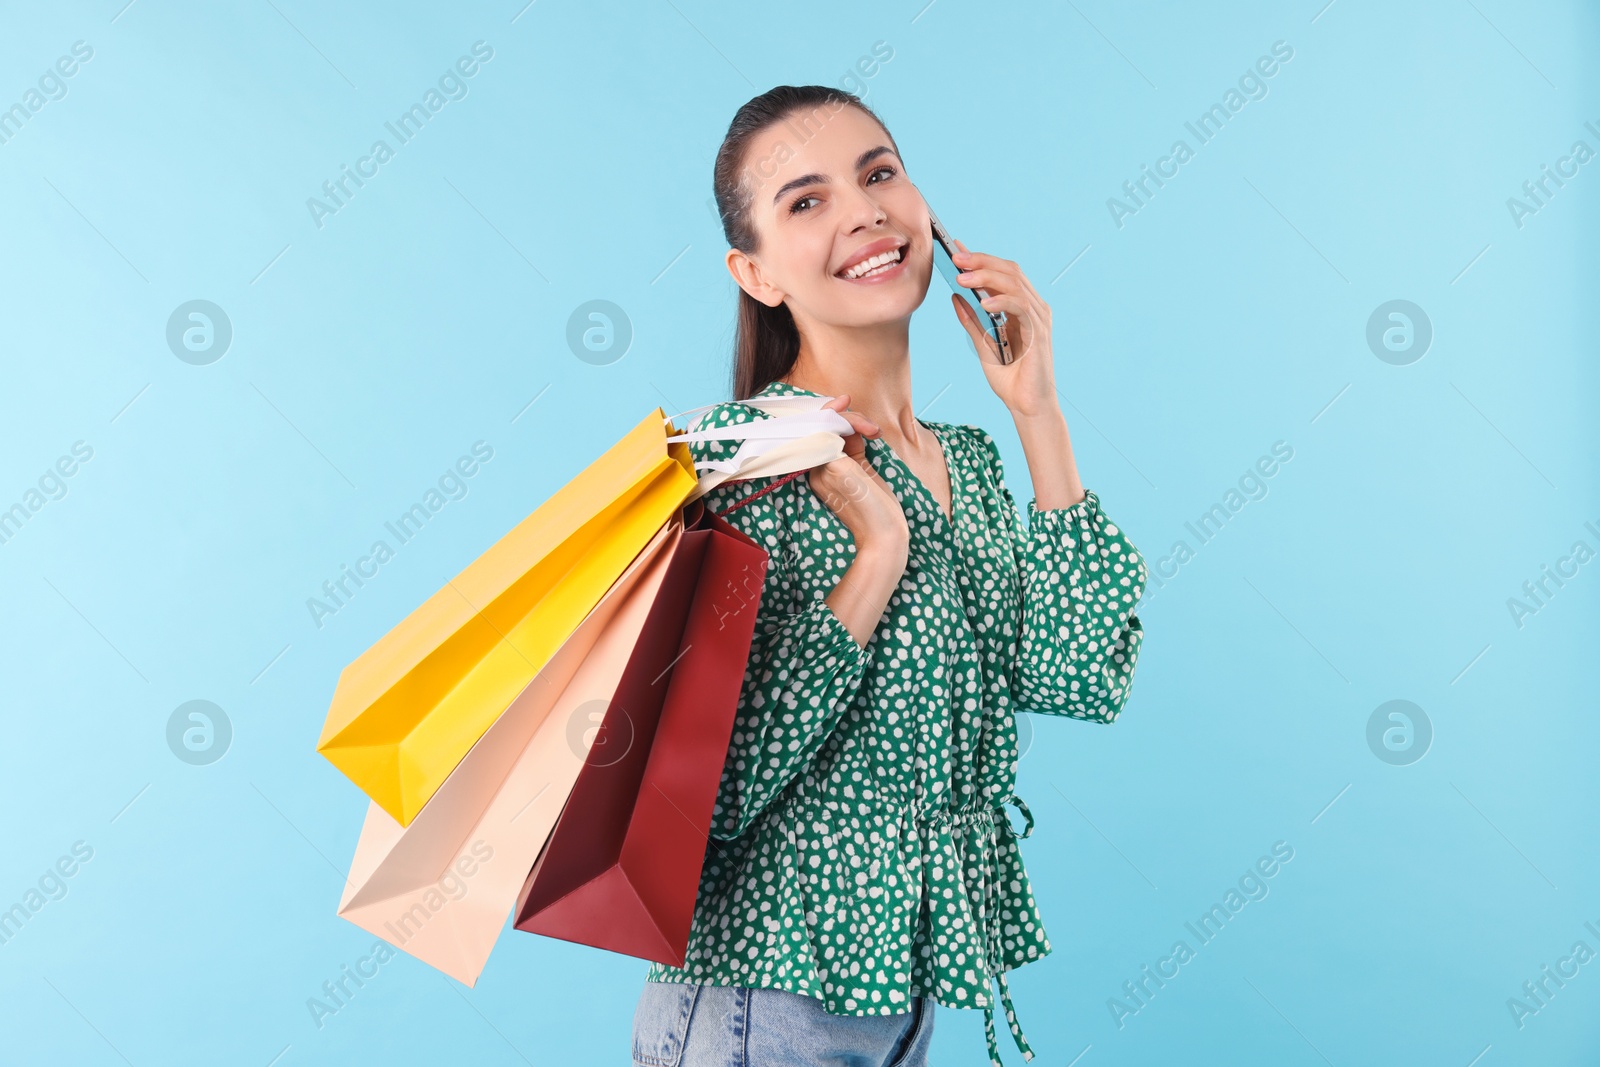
<point x="862" y="865"/>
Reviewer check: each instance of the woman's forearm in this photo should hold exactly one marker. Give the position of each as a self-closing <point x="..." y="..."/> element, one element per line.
<point x="863" y="593"/>
<point x="1048" y="447"/>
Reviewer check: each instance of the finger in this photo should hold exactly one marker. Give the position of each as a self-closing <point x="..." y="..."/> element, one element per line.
<point x="855" y="446"/>
<point x="967" y="260"/>
<point x="1011" y="305"/>
<point x="1008" y="267"/>
<point x="990" y="279"/>
<point x="998" y="276"/>
<point x="1025" y="303"/>
<point x="861" y="423"/>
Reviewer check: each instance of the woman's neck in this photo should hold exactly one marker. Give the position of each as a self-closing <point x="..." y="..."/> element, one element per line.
<point x="871" y="363"/>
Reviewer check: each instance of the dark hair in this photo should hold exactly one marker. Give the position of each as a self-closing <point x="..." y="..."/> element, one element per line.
<point x="767" y="343"/>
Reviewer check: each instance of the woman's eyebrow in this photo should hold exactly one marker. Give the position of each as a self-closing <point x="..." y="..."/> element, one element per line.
<point x="822" y="179"/>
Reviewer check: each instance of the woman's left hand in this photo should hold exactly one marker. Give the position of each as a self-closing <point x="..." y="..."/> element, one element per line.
<point x="1027" y="385"/>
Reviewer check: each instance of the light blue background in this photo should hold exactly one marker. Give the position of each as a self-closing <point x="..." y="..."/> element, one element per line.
<point x="1228" y="314"/>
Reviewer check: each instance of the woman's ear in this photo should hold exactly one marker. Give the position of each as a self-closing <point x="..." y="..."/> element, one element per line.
<point x="748" y="273"/>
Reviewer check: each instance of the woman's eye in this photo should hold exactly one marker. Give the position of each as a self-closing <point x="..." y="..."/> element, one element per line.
<point x="879" y="171"/>
<point x="795" y="209"/>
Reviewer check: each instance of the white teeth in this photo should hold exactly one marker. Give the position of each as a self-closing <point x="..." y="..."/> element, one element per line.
<point x="875" y="265"/>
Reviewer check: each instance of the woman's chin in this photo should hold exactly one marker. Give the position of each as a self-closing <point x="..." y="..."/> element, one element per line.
<point x="886" y="314"/>
<point x="875" y="306"/>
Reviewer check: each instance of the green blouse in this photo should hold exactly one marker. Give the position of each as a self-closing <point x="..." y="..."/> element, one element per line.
<point x="860" y="848"/>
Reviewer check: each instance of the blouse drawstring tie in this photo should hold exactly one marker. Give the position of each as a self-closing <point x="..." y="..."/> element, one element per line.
<point x="1011" y="1021"/>
<point x="994" y="818"/>
<point x="999" y="977"/>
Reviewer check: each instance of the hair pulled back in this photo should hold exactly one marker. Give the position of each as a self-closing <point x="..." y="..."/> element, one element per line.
<point x="766" y="342"/>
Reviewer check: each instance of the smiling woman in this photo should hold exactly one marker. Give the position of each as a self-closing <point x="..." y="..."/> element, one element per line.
<point x="862" y="865"/>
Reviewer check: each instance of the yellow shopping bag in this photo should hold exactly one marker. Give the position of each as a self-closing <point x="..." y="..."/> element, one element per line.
<point x="407" y="709"/>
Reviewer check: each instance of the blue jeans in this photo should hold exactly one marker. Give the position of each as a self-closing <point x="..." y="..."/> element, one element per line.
<point x="685" y="1024"/>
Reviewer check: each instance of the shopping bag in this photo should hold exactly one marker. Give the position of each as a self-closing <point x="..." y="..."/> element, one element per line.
<point x="441" y="888"/>
<point x="407" y="709"/>
<point x="622" y="867"/>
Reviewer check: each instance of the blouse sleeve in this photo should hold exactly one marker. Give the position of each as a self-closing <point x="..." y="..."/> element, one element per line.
<point x="805" y="667"/>
<point x="1081" y="580"/>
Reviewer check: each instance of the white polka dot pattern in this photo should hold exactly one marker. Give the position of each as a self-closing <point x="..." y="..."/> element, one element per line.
<point x="861" y="851"/>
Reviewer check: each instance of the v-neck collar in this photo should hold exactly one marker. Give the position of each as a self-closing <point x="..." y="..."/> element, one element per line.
<point x="945" y="522"/>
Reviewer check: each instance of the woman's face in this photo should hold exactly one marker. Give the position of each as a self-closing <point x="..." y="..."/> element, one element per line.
<point x="829" y="196"/>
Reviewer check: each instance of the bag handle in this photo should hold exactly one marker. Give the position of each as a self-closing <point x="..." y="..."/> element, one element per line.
<point x="777" y="427"/>
<point x="761" y="459"/>
<point x="797" y="435"/>
<point x="759" y="492"/>
<point x="770" y="404"/>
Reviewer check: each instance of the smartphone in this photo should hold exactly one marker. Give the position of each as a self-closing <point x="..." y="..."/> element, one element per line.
<point x="944" y="247"/>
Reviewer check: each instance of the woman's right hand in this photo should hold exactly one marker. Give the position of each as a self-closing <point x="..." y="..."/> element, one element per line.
<point x="854" y="491"/>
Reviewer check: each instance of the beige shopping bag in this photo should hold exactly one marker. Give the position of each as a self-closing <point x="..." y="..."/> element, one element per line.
<point x="442" y="887"/>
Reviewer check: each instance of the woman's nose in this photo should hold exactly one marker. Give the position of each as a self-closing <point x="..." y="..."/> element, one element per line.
<point x="869" y="219"/>
<point x="865" y="212"/>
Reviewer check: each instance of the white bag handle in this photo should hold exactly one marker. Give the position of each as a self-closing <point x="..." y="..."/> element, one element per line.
<point x="751" y="449"/>
<point x="799" y="434"/>
<point x="775" y="405"/>
<point x="779" y="426"/>
<point x="784" y="457"/>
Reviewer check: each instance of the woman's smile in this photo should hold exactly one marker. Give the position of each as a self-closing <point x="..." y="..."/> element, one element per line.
<point x="875" y="263"/>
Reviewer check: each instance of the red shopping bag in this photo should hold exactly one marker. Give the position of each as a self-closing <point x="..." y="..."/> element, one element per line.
<point x="622" y="867"/>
